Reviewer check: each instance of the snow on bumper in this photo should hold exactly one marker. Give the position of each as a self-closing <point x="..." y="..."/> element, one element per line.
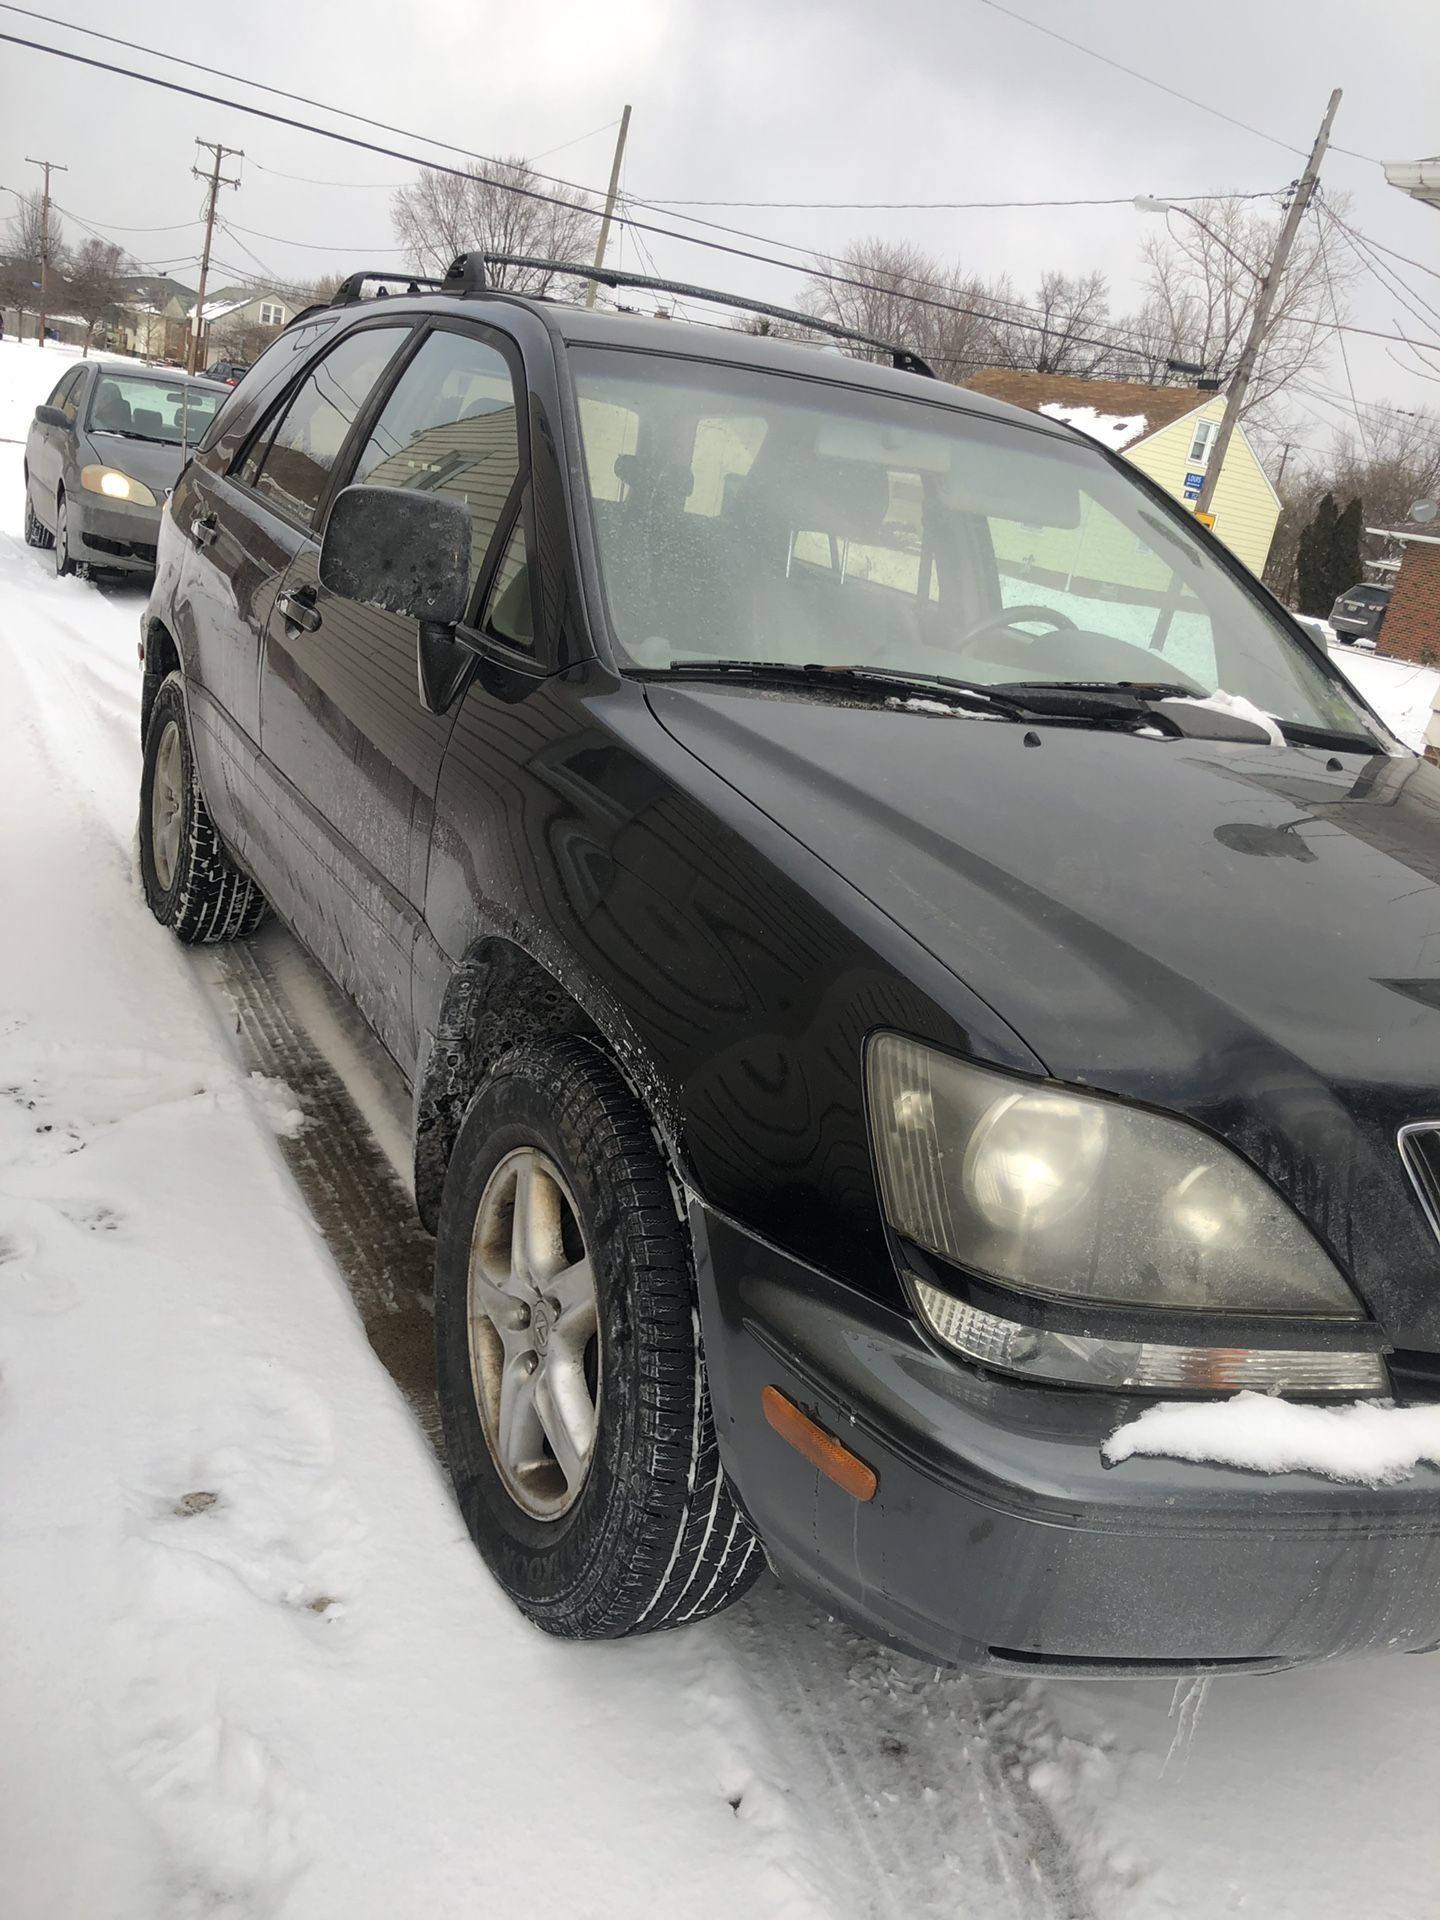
<point x="999" y="1536"/>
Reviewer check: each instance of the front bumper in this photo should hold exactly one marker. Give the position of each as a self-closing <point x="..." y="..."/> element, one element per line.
<point x="114" y="533"/>
<point x="998" y="1538"/>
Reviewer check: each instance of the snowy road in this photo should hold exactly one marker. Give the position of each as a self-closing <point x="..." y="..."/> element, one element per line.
<point x="252" y="1667"/>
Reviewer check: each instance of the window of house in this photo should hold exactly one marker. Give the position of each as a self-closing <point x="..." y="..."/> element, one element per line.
<point x="271" y="315"/>
<point x="292" y="465"/>
<point x="451" y="427"/>
<point x="1204" y="440"/>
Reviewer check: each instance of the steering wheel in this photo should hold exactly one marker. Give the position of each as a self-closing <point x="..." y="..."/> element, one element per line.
<point x="1011" y="617"/>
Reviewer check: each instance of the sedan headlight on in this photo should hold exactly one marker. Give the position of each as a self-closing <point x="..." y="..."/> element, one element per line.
<point x="116" y="486"/>
<point x="1072" y="1198"/>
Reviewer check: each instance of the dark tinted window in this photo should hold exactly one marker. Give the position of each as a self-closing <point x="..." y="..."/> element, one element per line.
<point x="508" y="614"/>
<point x="1372" y="596"/>
<point x="294" y="462"/>
<point x="450" y="427"/>
<point x="269" y="371"/>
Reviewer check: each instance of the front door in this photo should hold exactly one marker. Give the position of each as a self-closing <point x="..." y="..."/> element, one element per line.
<point x="48" y="446"/>
<point x="245" y="527"/>
<point x="341" y="718"/>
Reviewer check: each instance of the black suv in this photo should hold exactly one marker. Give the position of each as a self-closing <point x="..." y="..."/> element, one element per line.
<point x="904" y="955"/>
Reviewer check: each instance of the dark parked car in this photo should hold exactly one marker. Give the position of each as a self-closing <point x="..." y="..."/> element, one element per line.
<point x="228" y="372"/>
<point x="1360" y="612"/>
<point x="873" y="1028"/>
<point x="102" y="454"/>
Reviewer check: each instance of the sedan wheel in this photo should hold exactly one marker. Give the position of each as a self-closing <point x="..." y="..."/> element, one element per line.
<point x="534" y="1334"/>
<point x="63" y="563"/>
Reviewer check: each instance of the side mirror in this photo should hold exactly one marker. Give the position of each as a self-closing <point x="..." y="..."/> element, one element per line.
<point x="399" y="552"/>
<point x="46" y="416"/>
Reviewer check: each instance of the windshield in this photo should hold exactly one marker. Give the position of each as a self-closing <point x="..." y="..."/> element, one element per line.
<point x="169" y="412"/>
<point x="742" y="515"/>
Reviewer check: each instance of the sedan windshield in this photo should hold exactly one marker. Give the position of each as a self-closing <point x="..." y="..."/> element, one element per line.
<point x="749" y="516"/>
<point x="170" y="412"/>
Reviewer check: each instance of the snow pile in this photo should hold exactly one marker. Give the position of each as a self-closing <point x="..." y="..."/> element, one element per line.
<point x="1402" y="693"/>
<point x="1237" y="705"/>
<point x="1368" y="1442"/>
<point x="1113" y="430"/>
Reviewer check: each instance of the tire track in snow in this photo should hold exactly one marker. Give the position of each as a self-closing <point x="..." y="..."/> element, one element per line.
<point x="921" y="1786"/>
<point x="358" y="1200"/>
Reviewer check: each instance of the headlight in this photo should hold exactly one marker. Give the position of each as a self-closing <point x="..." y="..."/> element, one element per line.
<point x="1064" y="1195"/>
<point x="116" y="486"/>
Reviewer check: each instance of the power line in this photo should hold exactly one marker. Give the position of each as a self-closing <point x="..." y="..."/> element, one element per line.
<point x="934" y="206"/>
<point x="1162" y="86"/>
<point x="528" y="193"/>
<point x="548" y="199"/>
<point x="1384" y="275"/>
<point x="304" y="179"/>
<point x="260" y="86"/>
<point x="579" y="140"/>
<point x="1335" y="309"/>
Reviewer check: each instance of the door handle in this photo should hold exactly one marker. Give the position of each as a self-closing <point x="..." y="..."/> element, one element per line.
<point x="203" y="529"/>
<point x="299" y="609"/>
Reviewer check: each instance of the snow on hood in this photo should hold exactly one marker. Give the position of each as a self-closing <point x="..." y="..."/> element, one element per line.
<point x="1366" y="1443"/>
<point x="1113" y="430"/>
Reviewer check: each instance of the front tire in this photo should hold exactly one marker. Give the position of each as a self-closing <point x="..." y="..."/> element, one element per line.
<point x="572" y="1384"/>
<point x="191" y="884"/>
<point x="37" y="534"/>
<point x="64" y="563"/>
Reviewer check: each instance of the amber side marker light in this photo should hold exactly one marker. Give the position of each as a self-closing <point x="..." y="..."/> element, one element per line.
<point x="820" y="1448"/>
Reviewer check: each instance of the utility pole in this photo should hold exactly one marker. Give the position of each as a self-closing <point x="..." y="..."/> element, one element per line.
<point x="609" y="203"/>
<point x="1260" y="321"/>
<point x="49" y="167"/>
<point x="214" y="182"/>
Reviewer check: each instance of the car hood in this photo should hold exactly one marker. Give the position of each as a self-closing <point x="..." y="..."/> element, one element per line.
<point x="1245" y="934"/>
<point x="145" y="460"/>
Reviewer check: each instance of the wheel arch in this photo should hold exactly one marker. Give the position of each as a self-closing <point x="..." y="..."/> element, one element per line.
<point x="500" y="997"/>
<point x="161" y="658"/>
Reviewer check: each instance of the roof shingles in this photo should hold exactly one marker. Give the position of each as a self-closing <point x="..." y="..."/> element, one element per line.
<point x="1157" y="407"/>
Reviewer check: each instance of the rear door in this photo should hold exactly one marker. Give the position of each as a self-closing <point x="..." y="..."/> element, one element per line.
<point x="246" y="519"/>
<point x="341" y="719"/>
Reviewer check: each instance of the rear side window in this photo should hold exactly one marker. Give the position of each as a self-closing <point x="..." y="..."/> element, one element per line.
<point x="291" y="466"/>
<point x="450" y="426"/>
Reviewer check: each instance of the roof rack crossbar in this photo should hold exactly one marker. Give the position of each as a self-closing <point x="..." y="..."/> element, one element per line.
<point x="900" y="357"/>
<point x="350" y="291"/>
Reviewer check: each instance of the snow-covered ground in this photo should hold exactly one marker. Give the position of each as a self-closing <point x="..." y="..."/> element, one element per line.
<point x="1402" y="693"/>
<point x="252" y="1668"/>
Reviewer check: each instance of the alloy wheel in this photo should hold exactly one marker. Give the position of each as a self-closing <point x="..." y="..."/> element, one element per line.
<point x="62" y="538"/>
<point x="533" y="1318"/>
<point x="167" y="797"/>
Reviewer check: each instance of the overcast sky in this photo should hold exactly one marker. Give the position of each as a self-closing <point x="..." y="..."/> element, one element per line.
<point x="752" y="100"/>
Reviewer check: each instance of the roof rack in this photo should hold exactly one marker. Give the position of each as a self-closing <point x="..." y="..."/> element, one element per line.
<point x="352" y="290"/>
<point x="900" y="357"/>
<point x="467" y="275"/>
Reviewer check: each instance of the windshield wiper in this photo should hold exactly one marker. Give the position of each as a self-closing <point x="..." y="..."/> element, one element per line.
<point x="893" y="682"/>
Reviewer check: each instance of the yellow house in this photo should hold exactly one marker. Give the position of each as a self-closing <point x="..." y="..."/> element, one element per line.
<point x="1167" y="432"/>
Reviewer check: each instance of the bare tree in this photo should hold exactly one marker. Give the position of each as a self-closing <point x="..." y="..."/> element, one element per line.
<point x="1065" y="328"/>
<point x="20" y="257"/>
<point x="1202" y="285"/>
<point x="893" y="291"/>
<point x="94" y="285"/>
<point x="442" y="214"/>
